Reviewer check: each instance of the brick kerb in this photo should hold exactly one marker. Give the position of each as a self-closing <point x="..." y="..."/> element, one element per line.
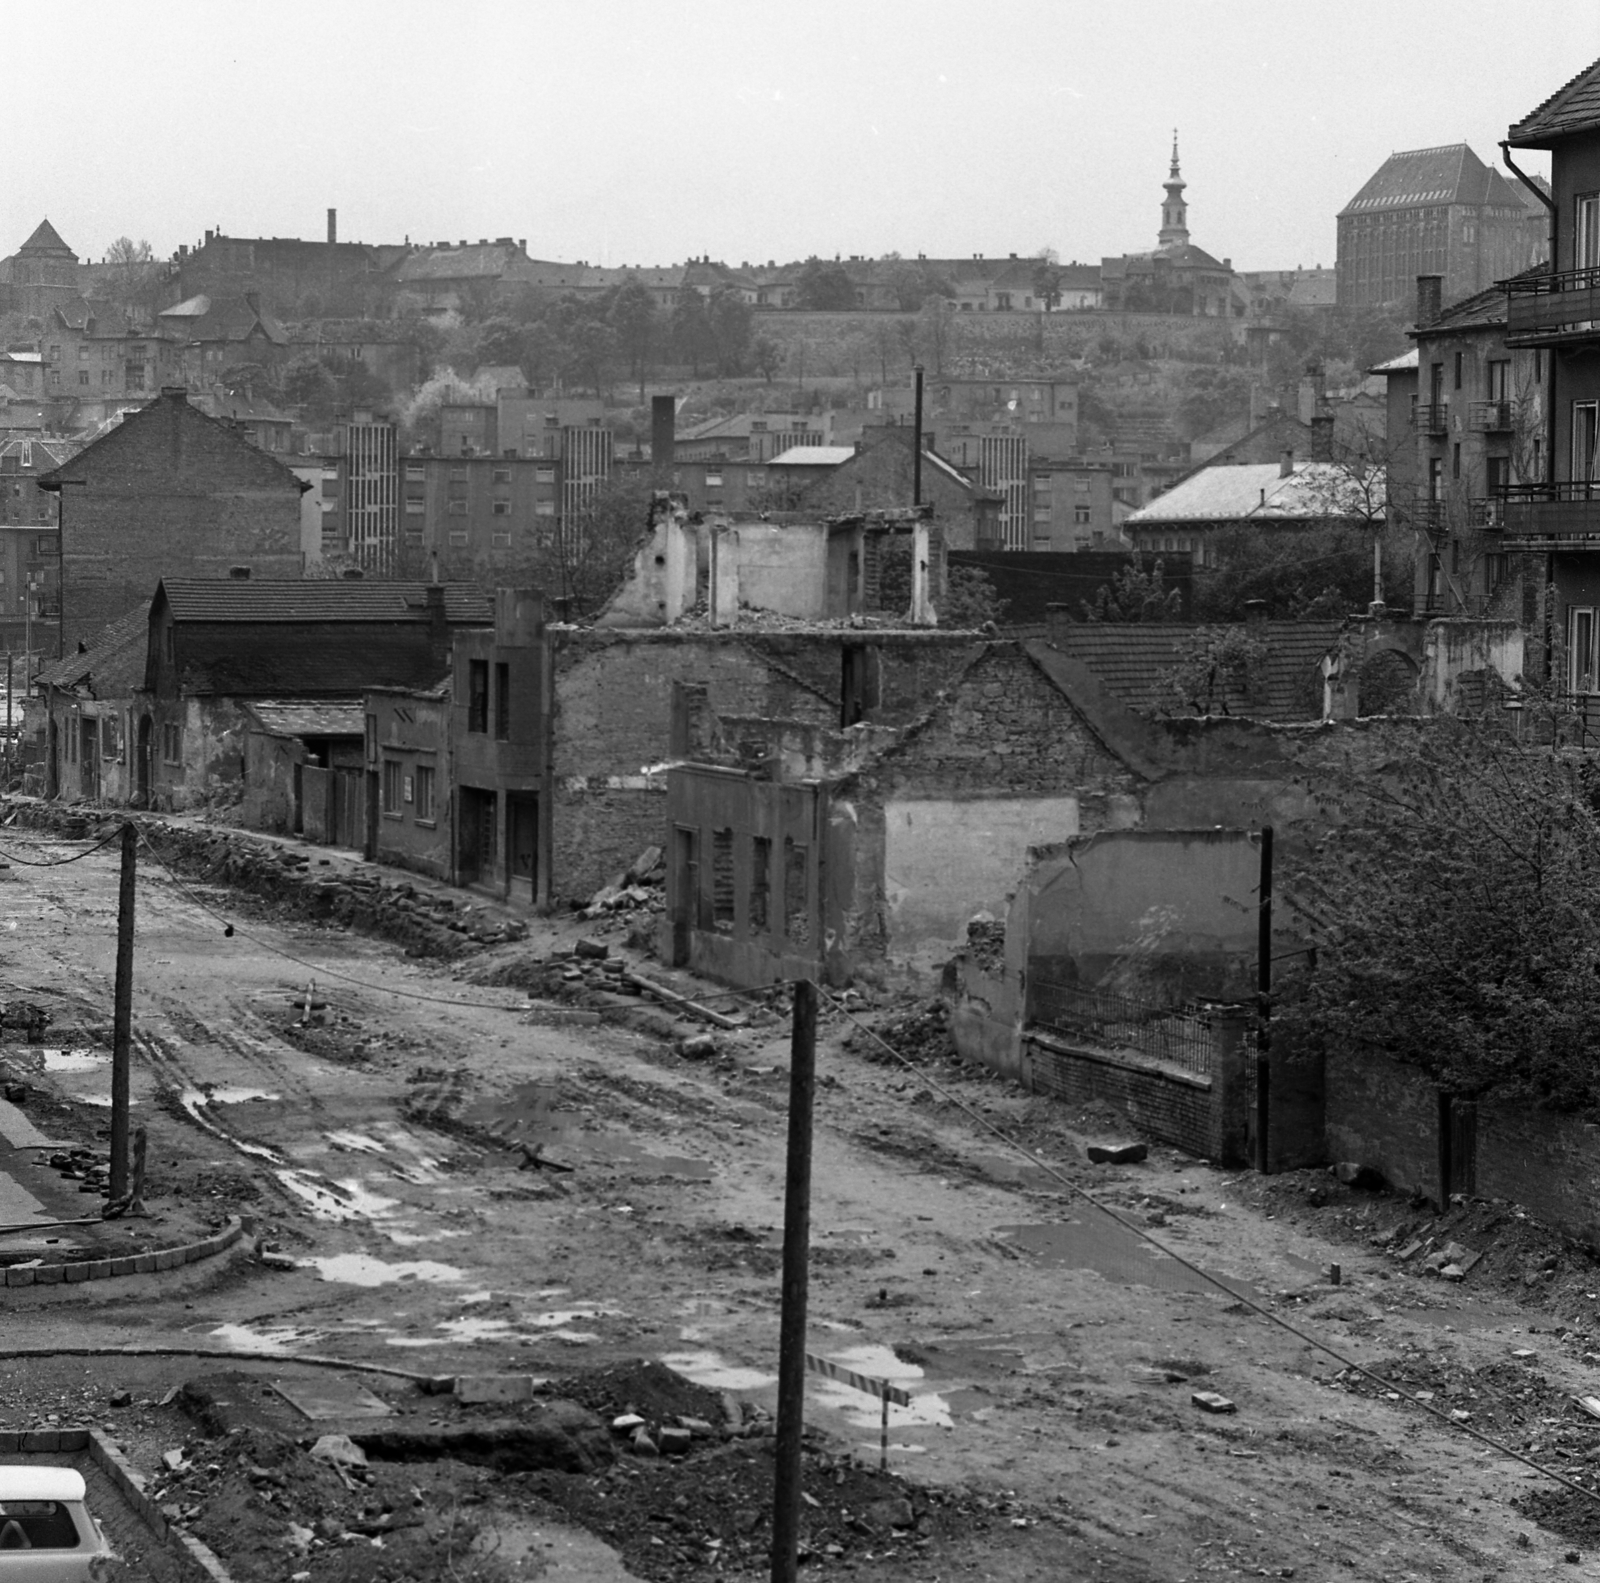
<point x="202" y="1561"/>
<point x="1124" y="1063"/>
<point x="128" y="1264"/>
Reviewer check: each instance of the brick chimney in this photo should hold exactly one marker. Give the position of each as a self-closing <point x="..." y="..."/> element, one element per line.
<point x="333" y="225"/>
<point x="1286" y="464"/>
<point x="1322" y="437"/>
<point x="663" y="430"/>
<point x="1430" y="299"/>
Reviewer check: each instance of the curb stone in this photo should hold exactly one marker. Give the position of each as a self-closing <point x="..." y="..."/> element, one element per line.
<point x="200" y="1560"/>
<point x="128" y="1264"/>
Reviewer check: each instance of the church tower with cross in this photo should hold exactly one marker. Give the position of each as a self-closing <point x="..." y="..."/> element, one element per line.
<point x="1174" y="231"/>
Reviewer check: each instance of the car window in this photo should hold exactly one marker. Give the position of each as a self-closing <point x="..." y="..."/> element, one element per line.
<point x="37" y="1525"/>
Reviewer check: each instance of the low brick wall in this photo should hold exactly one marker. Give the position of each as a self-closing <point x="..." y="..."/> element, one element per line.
<point x="1204" y="1116"/>
<point x="1548" y="1163"/>
<point x="1385" y="1115"/>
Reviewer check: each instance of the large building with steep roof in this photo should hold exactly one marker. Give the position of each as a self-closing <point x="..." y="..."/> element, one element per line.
<point x="1435" y="211"/>
<point x="40" y="274"/>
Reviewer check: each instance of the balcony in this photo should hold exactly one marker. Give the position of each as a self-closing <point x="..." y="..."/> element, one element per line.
<point x="1492" y="417"/>
<point x="1561" y="517"/>
<point x="1431" y="518"/>
<point x="1553" y="310"/>
<point x="1431" y="417"/>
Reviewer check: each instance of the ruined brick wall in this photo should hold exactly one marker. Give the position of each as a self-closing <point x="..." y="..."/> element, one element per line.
<point x="612" y="722"/>
<point x="1166" y="1105"/>
<point x="1383" y="1115"/>
<point x="1004" y="727"/>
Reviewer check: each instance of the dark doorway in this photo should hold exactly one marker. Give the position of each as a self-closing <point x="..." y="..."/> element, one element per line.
<point x="89" y="757"/>
<point x="52" y="761"/>
<point x="477" y="852"/>
<point x="685" y="891"/>
<point x="522" y="845"/>
<point x="141" y="762"/>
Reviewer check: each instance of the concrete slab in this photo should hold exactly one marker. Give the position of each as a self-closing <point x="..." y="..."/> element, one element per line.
<point x="333" y="1397"/>
<point x="18" y="1131"/>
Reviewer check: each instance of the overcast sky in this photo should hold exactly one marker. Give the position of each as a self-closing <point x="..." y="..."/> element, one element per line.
<point x="637" y="131"/>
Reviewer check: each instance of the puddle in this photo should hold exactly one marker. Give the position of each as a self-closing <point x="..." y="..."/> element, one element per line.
<point x="103" y="1100"/>
<point x="557" y="1318"/>
<point x="410" y="1239"/>
<point x="277" y="1339"/>
<point x="1092" y="1240"/>
<point x="414" y="1341"/>
<point x="361" y="1269"/>
<point x="73" y="1060"/>
<point x="336" y="1200"/>
<point x="471" y="1327"/>
<point x="193" y="1099"/>
<point x="527" y="1114"/>
<point x="929" y="1410"/>
<point x="709" y="1369"/>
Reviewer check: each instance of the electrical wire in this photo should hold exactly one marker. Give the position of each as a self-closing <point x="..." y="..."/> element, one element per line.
<point x="77" y="857"/>
<point x="1205" y="1275"/>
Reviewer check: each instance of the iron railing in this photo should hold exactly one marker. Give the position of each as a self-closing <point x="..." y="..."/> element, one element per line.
<point x="1492" y="417"/>
<point x="1553" y="307"/>
<point x="1182" y="1035"/>
<point x="1432" y="417"/>
<point x="1558" y="516"/>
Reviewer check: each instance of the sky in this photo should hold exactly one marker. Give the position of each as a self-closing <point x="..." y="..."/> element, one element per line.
<point x="638" y="132"/>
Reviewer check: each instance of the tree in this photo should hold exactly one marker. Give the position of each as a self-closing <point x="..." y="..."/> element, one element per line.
<point x="1302" y="573"/>
<point x="307" y="382"/>
<point x="766" y="356"/>
<point x="1047" y="278"/>
<point x="689" y="332"/>
<point x="970" y="600"/>
<point x="1135" y="594"/>
<point x="825" y="287"/>
<point x="1452" y="906"/>
<point x="134" y="272"/>
<point x="596" y="544"/>
<point x="1212" y="662"/>
<point x="914" y="283"/>
<point x="633" y="317"/>
<point x="728" y="324"/>
<point x="502" y="342"/>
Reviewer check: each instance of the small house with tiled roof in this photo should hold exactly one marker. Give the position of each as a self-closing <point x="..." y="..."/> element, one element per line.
<point x="289" y="660"/>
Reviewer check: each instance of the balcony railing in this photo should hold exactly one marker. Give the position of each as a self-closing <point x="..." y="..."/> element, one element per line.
<point x="1432" y="417"/>
<point x="1546" y="309"/>
<point x="1492" y="417"/>
<point x="1430" y="517"/>
<point x="1561" y="516"/>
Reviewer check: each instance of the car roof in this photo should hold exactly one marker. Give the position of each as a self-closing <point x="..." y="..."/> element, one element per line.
<point x="40" y="1484"/>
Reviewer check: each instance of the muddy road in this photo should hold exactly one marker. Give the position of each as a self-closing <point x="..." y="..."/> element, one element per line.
<point x="1051" y="1355"/>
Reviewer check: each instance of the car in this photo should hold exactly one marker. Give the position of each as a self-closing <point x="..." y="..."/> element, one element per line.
<point x="46" y="1532"/>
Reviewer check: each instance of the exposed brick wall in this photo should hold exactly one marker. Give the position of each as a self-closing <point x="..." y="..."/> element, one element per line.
<point x="1548" y="1163"/>
<point x="1176" y="1109"/>
<point x="170" y="493"/>
<point x="1385" y="1115"/>
<point x="1006" y="728"/>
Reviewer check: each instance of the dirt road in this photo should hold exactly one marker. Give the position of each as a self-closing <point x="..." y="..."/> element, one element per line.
<point x="1052" y="1357"/>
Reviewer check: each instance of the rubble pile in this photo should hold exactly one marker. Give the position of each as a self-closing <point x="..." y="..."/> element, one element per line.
<point x="23" y="1022"/>
<point x="632" y="898"/>
<point x="920" y="1035"/>
<point x="424" y="922"/>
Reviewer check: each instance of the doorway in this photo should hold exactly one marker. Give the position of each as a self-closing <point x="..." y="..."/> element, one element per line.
<point x="476" y="858"/>
<point x="522" y="846"/>
<point x="141" y="762"/>
<point x="685" y="891"/>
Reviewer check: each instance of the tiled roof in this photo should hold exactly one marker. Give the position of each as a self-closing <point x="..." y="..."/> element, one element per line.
<point x="1419" y="177"/>
<point x="311" y="600"/>
<point x="299" y="717"/>
<point x="1258" y="492"/>
<point x="1574" y="107"/>
<point x="316" y="659"/>
<point x="1134" y="662"/>
<point x="114" y="664"/>
<point x="45" y="239"/>
<point x="1397" y="365"/>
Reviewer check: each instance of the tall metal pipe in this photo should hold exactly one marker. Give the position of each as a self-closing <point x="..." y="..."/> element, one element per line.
<point x="916" y="442"/>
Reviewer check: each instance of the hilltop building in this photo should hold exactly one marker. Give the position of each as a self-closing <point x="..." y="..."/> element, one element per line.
<point x="1435" y="211"/>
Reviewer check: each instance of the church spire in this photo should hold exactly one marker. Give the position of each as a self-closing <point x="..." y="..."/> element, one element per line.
<point x="1174" y="211"/>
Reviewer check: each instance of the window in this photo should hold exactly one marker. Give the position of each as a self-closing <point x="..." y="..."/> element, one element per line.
<point x="1497" y="379"/>
<point x="1082" y="514"/>
<point x="722" y="881"/>
<point x="83" y="354"/>
<point x="477" y="695"/>
<point x="393" y="787"/>
<point x="460" y="538"/>
<point x="544" y="508"/>
<point x="1496" y="473"/>
<point x="502" y="475"/>
<point x="502" y="508"/>
<point x="713" y="480"/>
<point x="1580" y="649"/>
<point x="414" y="508"/>
<point x="416" y="473"/>
<point x="1586" y="231"/>
<point x="456" y="508"/>
<point x="1435" y="478"/>
<point x="760" y="882"/>
<point x="423" y="811"/>
<point x="500" y="541"/>
<point x="1586" y="439"/>
<point x="110" y="747"/>
<point x="1460" y="358"/>
<point x="1455" y="460"/>
<point x="796" y="892"/>
<point x="171" y="741"/>
<point x="544" y="475"/>
<point x="83" y="376"/>
<point x="502" y="701"/>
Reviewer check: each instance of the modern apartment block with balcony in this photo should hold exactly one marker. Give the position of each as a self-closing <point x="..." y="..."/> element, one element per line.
<point x="1554" y="315"/>
<point x="1475" y="425"/>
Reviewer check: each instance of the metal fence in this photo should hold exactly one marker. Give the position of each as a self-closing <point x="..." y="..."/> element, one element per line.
<point x="1183" y="1035"/>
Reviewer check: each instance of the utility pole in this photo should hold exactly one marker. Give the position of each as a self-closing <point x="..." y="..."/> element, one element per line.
<point x="796" y="1270"/>
<point x="916" y="440"/>
<point x="1264" y="1006"/>
<point x="122" y="1018"/>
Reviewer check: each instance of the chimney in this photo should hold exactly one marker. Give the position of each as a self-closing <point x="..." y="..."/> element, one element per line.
<point x="1322" y="437"/>
<point x="1430" y="299"/>
<point x="333" y="225"/>
<point x="438" y="623"/>
<point x="1286" y="464"/>
<point x="663" y="430"/>
<point x="352" y="574"/>
<point x="240" y="574"/>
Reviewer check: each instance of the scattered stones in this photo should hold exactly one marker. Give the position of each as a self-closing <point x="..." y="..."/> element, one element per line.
<point x="1212" y="1402"/>
<point x="592" y="950"/>
<point x="674" y="1440"/>
<point x="122" y="1398"/>
<point x="1363" y="1177"/>
<point x="697" y="1047"/>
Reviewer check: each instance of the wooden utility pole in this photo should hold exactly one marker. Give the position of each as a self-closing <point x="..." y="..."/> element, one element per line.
<point x="796" y="1270"/>
<point x="1264" y="1007"/>
<point x="122" y="1018"/>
